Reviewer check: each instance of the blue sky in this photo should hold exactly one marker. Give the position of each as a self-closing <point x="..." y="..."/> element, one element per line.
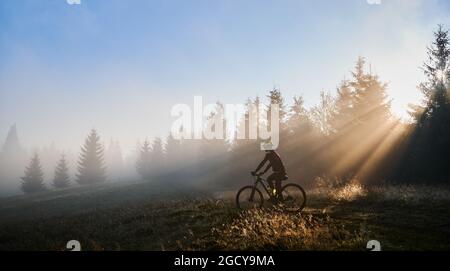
<point x="119" y="66"/>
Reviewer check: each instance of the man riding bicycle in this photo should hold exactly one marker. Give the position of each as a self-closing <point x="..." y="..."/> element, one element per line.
<point x="278" y="171"/>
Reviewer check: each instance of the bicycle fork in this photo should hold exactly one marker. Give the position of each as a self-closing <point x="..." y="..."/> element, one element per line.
<point x="252" y="195"/>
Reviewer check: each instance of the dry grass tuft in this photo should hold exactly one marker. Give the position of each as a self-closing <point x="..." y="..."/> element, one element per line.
<point x="274" y="230"/>
<point x="347" y="193"/>
<point x="350" y="192"/>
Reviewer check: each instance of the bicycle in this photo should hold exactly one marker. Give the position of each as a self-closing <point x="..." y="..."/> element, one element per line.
<point x="293" y="196"/>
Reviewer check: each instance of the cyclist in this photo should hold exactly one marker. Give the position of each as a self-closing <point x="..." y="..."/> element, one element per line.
<point x="278" y="171"/>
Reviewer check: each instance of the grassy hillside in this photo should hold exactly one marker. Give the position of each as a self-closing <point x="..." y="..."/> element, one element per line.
<point x="146" y="216"/>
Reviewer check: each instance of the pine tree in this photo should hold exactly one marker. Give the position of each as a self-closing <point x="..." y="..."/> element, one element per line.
<point x="358" y="117"/>
<point x="299" y="122"/>
<point x="343" y="119"/>
<point x="437" y="71"/>
<point x="322" y="114"/>
<point x="91" y="167"/>
<point x="369" y="106"/>
<point x="13" y="158"/>
<point x="427" y="158"/>
<point x="216" y="148"/>
<point x="437" y="68"/>
<point x="173" y="150"/>
<point x="33" y="181"/>
<point x="244" y="126"/>
<point x="12" y="144"/>
<point x="157" y="156"/>
<point x="257" y="106"/>
<point x="143" y="164"/>
<point x="299" y="141"/>
<point x="275" y="97"/>
<point x="61" y="179"/>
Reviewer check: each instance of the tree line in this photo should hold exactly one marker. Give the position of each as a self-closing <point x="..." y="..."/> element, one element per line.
<point x="91" y="168"/>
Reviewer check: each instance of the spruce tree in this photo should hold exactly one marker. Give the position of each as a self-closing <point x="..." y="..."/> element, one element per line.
<point x="427" y="158"/>
<point x="358" y="124"/>
<point x="275" y="97"/>
<point x="61" y="179"/>
<point x="91" y="167"/>
<point x="299" y="122"/>
<point x="157" y="156"/>
<point x="343" y="118"/>
<point x="12" y="160"/>
<point x="143" y="164"/>
<point x="299" y="141"/>
<point x="437" y="68"/>
<point x="216" y="148"/>
<point x="370" y="106"/>
<point x="323" y="113"/>
<point x="12" y="144"/>
<point x="173" y="150"/>
<point x="33" y="181"/>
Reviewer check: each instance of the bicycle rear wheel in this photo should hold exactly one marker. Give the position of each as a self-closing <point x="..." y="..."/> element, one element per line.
<point x="249" y="197"/>
<point x="294" y="197"/>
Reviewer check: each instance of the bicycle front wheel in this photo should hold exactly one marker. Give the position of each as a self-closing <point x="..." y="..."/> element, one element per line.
<point x="294" y="197"/>
<point x="249" y="197"/>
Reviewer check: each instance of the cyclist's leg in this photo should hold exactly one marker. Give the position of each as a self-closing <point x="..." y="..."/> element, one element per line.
<point x="278" y="177"/>
<point x="270" y="180"/>
<point x="278" y="185"/>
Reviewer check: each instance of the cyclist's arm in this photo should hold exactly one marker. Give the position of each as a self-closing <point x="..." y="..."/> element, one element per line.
<point x="267" y="168"/>
<point x="261" y="164"/>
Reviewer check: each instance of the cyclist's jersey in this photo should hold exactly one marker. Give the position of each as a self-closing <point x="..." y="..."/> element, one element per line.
<point x="275" y="161"/>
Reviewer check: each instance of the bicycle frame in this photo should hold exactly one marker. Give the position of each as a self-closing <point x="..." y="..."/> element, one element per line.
<point x="290" y="199"/>
<point x="260" y="180"/>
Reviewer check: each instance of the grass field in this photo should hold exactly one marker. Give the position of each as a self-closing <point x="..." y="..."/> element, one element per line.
<point x="146" y="216"/>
